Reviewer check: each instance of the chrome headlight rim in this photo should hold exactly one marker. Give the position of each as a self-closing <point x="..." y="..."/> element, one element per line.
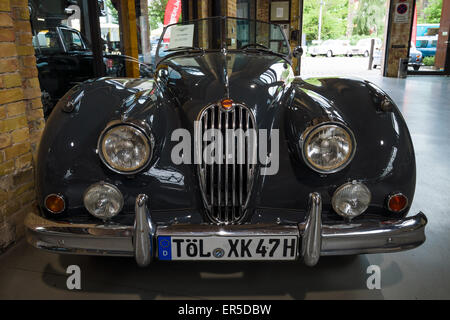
<point x="307" y="134"/>
<point x="103" y="184"/>
<point x="142" y="128"/>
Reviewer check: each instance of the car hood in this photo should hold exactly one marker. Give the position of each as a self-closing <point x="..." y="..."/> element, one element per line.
<point x="191" y="82"/>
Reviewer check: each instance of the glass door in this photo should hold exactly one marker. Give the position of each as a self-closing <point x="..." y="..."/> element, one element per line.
<point x="429" y="48"/>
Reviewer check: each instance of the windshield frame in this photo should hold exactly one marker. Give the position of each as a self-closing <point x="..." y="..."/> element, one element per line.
<point x="222" y="19"/>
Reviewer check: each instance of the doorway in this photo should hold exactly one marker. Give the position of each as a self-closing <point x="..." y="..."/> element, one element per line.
<point x="343" y="37"/>
<point x="429" y="48"/>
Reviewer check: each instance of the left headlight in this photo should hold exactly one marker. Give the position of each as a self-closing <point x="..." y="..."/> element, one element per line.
<point x="328" y="147"/>
<point x="125" y="148"/>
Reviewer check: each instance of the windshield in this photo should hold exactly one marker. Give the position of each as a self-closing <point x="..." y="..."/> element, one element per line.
<point x="72" y="40"/>
<point x="47" y="41"/>
<point x="223" y="32"/>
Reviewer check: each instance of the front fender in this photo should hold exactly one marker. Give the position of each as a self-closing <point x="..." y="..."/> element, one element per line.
<point x="384" y="159"/>
<point x="68" y="160"/>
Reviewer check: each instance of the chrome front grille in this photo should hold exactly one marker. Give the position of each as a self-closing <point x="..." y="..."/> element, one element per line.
<point x="226" y="186"/>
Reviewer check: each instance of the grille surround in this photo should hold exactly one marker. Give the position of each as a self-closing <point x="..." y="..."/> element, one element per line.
<point x="226" y="188"/>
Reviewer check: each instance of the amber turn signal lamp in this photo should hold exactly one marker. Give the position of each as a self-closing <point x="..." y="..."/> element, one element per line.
<point x="226" y="104"/>
<point x="397" y="202"/>
<point x="55" y="203"/>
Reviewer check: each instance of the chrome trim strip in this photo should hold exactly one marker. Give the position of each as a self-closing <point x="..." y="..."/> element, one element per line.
<point x="374" y="236"/>
<point x="241" y="178"/>
<point x="144" y="233"/>
<point x="87" y="239"/>
<point x="312" y="236"/>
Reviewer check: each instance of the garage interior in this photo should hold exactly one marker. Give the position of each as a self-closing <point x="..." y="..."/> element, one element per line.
<point x="27" y="273"/>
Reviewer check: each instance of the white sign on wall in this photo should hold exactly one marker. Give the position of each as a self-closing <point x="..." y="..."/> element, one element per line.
<point x="181" y="36"/>
<point x="401" y="13"/>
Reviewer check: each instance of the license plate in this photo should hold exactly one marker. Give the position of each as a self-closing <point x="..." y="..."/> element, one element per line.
<point x="227" y="248"/>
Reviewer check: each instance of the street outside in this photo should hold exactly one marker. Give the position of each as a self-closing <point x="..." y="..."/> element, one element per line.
<point x="337" y="66"/>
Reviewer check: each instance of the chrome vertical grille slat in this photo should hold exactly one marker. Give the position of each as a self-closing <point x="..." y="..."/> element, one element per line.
<point x="233" y="185"/>
<point x="226" y="186"/>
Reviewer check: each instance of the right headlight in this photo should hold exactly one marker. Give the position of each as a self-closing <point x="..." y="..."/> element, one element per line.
<point x="328" y="147"/>
<point x="125" y="148"/>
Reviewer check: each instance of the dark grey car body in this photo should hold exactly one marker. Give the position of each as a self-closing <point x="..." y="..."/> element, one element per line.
<point x="184" y="83"/>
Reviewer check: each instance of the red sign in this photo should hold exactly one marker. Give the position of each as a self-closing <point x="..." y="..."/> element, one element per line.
<point x="414" y="27"/>
<point x="172" y="14"/>
<point x="173" y="11"/>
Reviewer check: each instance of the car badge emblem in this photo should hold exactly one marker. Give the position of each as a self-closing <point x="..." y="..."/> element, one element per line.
<point x="227" y="104"/>
<point x="218" y="253"/>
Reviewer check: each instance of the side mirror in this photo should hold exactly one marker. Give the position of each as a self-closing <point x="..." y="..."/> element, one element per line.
<point x="298" y="52"/>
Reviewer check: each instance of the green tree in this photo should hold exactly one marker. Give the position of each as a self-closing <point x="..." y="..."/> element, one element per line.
<point x="156" y="10"/>
<point x="432" y="13"/>
<point x="369" y="18"/>
<point x="113" y="11"/>
<point x="334" y="19"/>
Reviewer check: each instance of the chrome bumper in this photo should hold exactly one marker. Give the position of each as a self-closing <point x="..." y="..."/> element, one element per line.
<point x="140" y="240"/>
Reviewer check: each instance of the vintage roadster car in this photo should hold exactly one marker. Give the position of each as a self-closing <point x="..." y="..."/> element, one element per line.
<point x="225" y="155"/>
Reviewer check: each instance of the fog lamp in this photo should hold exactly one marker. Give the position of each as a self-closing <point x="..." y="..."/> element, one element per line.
<point x="54" y="203"/>
<point x="103" y="200"/>
<point x="351" y="199"/>
<point x="397" y="202"/>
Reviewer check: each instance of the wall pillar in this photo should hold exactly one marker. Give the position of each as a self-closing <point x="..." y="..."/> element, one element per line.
<point x="397" y="35"/>
<point x="294" y="20"/>
<point x="129" y="35"/>
<point x="444" y="29"/>
<point x="21" y="119"/>
<point x="262" y="10"/>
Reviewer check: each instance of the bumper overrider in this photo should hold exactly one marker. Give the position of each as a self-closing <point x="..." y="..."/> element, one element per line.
<point x="317" y="239"/>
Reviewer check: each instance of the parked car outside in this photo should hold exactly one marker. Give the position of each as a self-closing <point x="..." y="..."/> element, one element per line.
<point x="64" y="59"/>
<point x="427" y="45"/>
<point x="415" y="58"/>
<point x="362" y="47"/>
<point x="225" y="155"/>
<point x="330" y="48"/>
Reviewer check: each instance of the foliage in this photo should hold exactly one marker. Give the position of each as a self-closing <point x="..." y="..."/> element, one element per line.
<point x="156" y="10"/>
<point x="432" y="13"/>
<point x="370" y="17"/>
<point x="334" y="19"/>
<point x="428" y="61"/>
<point x="354" y="38"/>
<point x="112" y="11"/>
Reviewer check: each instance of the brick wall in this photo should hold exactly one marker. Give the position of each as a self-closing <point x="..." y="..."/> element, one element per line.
<point x="230" y="8"/>
<point x="21" y="119"/>
<point x="262" y="10"/>
<point x="293" y="26"/>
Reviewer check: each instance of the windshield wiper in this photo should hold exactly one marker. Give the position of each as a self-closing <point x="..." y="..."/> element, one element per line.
<point x="258" y="50"/>
<point x="184" y="48"/>
<point x="263" y="50"/>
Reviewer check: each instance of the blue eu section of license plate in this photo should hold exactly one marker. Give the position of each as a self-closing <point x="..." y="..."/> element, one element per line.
<point x="164" y="248"/>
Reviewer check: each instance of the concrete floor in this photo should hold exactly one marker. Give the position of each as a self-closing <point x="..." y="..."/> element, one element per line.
<point x="422" y="273"/>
